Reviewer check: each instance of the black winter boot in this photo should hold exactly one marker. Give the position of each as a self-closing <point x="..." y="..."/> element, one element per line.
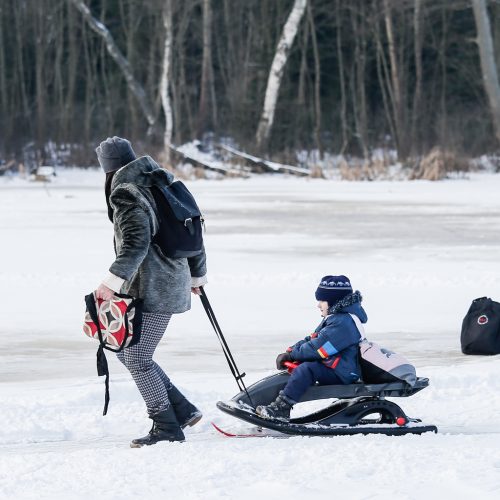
<point x="279" y="409"/>
<point x="165" y="428"/>
<point x="186" y="413"/>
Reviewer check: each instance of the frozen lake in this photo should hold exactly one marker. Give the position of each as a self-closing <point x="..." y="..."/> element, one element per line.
<point x="419" y="252"/>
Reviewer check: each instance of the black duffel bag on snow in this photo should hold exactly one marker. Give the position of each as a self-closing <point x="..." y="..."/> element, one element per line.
<point x="481" y="328"/>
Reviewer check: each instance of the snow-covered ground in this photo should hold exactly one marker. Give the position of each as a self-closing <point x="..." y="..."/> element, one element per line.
<point x="419" y="252"/>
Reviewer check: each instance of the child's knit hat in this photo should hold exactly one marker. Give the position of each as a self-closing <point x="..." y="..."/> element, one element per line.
<point x="333" y="288"/>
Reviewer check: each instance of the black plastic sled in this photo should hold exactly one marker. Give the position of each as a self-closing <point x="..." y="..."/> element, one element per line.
<point x="358" y="409"/>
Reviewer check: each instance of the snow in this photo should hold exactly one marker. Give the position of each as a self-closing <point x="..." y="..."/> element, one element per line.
<point x="419" y="252"/>
<point x="276" y="167"/>
<point x="193" y="150"/>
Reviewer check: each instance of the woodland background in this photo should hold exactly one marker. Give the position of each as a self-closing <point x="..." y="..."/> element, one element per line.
<point x="406" y="75"/>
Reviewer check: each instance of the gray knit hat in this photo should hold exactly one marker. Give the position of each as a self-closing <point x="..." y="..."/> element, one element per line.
<point x="114" y="153"/>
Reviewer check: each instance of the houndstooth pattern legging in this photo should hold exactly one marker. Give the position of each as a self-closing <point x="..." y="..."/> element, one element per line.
<point x="150" y="379"/>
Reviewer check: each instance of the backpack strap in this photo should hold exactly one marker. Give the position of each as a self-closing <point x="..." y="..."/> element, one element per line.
<point x="359" y="326"/>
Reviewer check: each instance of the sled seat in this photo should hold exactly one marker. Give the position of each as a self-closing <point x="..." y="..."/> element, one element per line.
<point x="390" y="389"/>
<point x="266" y="390"/>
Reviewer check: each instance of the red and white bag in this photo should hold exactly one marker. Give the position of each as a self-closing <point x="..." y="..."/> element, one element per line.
<point x="116" y="324"/>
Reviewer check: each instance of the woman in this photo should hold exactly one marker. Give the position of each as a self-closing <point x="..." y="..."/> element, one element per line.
<point x="141" y="270"/>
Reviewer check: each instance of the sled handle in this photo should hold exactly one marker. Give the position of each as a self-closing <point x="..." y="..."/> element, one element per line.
<point x="290" y="365"/>
<point x="225" y="348"/>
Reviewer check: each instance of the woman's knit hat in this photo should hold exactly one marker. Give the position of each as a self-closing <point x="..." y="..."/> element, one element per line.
<point x="333" y="288"/>
<point x="114" y="153"/>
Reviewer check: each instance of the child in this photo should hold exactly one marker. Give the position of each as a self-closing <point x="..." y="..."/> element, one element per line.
<point x="328" y="356"/>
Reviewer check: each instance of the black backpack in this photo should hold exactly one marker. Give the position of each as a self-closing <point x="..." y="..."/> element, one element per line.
<point x="180" y="232"/>
<point x="481" y="328"/>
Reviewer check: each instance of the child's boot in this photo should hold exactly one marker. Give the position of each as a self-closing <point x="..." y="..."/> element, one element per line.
<point x="279" y="409"/>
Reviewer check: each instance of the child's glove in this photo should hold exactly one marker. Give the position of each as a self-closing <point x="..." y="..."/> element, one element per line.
<point x="281" y="359"/>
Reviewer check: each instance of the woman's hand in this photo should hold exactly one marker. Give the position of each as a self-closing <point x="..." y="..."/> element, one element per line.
<point x="104" y="293"/>
<point x="196" y="290"/>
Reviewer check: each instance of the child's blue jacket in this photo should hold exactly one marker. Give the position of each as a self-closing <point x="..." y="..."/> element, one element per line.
<point x="335" y="343"/>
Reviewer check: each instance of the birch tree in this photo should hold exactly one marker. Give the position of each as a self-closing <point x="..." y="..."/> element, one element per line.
<point x="165" y="78"/>
<point x="277" y="69"/>
<point x="124" y="65"/>
<point x="487" y="58"/>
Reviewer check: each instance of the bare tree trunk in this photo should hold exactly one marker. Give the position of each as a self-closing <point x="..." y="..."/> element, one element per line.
<point x="3" y="82"/>
<point x="233" y="51"/>
<point x="58" y="76"/>
<point x="302" y="110"/>
<point x="384" y="83"/>
<point x="213" y="97"/>
<point x="67" y="120"/>
<point x="494" y="9"/>
<point x="229" y="52"/>
<point x="165" y="79"/>
<point x="180" y="94"/>
<point x="301" y="92"/>
<point x="206" y="69"/>
<point x="276" y="72"/>
<point x="113" y="50"/>
<point x="442" y="59"/>
<point x="20" y="62"/>
<point x="183" y="90"/>
<point x="343" y="101"/>
<point x="176" y="89"/>
<point x="359" y="90"/>
<point x="87" y="114"/>
<point x="39" y="80"/>
<point x="397" y="95"/>
<point x="488" y="65"/>
<point x="156" y="51"/>
<point x="128" y="21"/>
<point x="107" y="73"/>
<point x="417" y="28"/>
<point x="317" y="83"/>
<point x="247" y="55"/>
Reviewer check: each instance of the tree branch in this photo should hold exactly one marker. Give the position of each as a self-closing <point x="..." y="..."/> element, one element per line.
<point x="113" y="50"/>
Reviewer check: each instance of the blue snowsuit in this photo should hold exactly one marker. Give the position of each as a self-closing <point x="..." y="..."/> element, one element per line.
<point x="330" y="355"/>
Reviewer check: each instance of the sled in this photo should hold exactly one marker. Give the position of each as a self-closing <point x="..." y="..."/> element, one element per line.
<point x="358" y="408"/>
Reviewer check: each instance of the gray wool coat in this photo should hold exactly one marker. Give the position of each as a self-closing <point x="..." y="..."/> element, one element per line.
<point x="163" y="283"/>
